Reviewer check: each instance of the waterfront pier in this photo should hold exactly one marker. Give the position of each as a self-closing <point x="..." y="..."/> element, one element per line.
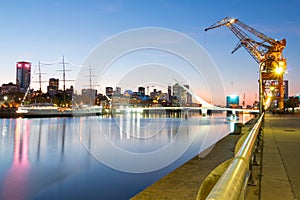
<point x="275" y="174"/>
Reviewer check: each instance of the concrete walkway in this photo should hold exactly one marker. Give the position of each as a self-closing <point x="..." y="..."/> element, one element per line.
<point x="281" y="157"/>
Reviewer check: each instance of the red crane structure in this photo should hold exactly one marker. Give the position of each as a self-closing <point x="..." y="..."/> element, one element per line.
<point x="267" y="53"/>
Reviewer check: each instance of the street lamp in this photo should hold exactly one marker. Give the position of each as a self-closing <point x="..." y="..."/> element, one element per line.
<point x="279" y="72"/>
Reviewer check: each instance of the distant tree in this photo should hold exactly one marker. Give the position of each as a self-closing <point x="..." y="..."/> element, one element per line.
<point x="291" y="103"/>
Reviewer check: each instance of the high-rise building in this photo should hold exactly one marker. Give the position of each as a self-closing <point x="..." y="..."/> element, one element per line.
<point x="182" y="95"/>
<point x="118" y="91"/>
<point x="53" y="86"/>
<point x="23" y="75"/>
<point x="189" y="98"/>
<point x="169" y="92"/>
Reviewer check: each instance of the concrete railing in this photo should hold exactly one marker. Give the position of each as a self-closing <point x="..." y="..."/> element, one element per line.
<point x="233" y="182"/>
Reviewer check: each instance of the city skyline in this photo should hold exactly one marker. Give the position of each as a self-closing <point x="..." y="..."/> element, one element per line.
<point x="45" y="31"/>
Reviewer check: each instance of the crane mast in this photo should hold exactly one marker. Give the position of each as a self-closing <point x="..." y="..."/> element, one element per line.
<point x="267" y="53"/>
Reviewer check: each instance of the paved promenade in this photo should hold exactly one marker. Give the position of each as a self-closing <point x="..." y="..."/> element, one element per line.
<point x="281" y="157"/>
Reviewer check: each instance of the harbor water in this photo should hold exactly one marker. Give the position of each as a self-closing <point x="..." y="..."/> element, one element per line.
<point x="99" y="157"/>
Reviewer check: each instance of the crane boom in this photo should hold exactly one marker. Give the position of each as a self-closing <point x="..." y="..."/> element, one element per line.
<point x="258" y="50"/>
<point x="255" y="32"/>
<point x="267" y="53"/>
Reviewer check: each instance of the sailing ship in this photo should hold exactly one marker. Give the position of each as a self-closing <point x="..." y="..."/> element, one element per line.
<point x="50" y="110"/>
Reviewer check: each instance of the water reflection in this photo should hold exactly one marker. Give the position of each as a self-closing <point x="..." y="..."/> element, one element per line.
<point x="55" y="158"/>
<point x="16" y="177"/>
<point x="40" y="156"/>
<point x="135" y="144"/>
<point x="39" y="142"/>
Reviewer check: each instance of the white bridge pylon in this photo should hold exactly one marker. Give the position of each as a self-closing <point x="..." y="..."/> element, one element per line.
<point x="199" y="99"/>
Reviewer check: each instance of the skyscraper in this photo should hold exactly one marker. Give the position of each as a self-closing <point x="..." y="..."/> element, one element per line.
<point x="182" y="95"/>
<point x="189" y="97"/>
<point x="23" y="75"/>
<point x="169" y="92"/>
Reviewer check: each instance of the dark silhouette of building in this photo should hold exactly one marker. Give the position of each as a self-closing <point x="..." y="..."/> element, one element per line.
<point x="169" y="93"/>
<point x="23" y="75"/>
<point x="8" y="88"/>
<point x="109" y="91"/>
<point x="52" y="88"/>
<point x="286" y="89"/>
<point x="141" y="91"/>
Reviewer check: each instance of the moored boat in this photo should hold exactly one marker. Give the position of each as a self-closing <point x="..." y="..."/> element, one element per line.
<point x="49" y="110"/>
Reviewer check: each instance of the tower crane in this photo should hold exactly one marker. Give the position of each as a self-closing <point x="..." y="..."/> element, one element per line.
<point x="267" y="53"/>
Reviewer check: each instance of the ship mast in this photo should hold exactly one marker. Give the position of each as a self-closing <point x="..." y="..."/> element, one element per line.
<point x="40" y="77"/>
<point x="64" y="73"/>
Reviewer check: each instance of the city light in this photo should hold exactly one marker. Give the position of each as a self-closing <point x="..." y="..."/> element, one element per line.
<point x="279" y="70"/>
<point x="268" y="102"/>
<point x="232" y="20"/>
<point x="233" y="96"/>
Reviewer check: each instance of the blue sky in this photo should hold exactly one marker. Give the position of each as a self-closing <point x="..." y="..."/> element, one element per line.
<point x="45" y="30"/>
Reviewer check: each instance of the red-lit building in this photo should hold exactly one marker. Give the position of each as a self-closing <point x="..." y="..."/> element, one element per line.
<point x="23" y="75"/>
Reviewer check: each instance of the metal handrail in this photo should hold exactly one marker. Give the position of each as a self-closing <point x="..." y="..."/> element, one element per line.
<point x="232" y="182"/>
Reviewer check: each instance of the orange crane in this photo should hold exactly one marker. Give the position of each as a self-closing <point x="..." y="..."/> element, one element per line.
<point x="267" y="53"/>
